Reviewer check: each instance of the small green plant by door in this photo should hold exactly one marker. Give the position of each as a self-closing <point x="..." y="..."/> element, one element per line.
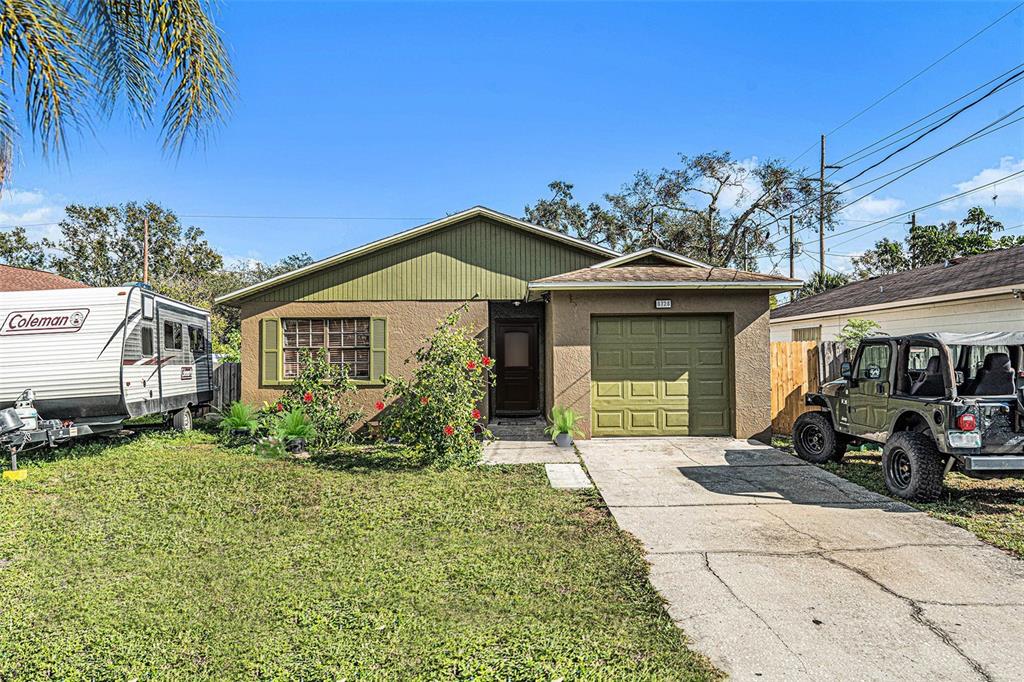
<point x="564" y="426"/>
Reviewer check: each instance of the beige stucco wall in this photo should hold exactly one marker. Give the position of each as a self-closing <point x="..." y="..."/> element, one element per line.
<point x="409" y="322"/>
<point x="568" y="336"/>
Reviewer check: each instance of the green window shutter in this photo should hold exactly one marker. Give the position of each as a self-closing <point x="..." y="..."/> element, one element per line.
<point x="378" y="348"/>
<point x="270" y="351"/>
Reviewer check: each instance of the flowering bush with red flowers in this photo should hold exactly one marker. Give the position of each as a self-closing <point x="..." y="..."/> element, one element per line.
<point x="436" y="411"/>
<point x="323" y="391"/>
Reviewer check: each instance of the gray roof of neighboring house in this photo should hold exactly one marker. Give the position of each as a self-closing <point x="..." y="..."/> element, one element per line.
<point x="1004" y="267"/>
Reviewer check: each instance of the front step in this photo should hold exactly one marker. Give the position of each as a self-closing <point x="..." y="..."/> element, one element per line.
<point x="519" y="428"/>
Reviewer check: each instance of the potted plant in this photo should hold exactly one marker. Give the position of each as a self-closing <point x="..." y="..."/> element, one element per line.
<point x="239" y="422"/>
<point x="564" y="426"/>
<point x="293" y="429"/>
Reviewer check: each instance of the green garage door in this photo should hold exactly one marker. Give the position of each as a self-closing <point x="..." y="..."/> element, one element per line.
<point x="660" y="376"/>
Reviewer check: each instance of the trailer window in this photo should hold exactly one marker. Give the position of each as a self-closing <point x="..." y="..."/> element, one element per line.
<point x="172" y="336"/>
<point x="346" y="340"/>
<point x="197" y="340"/>
<point x="147" y="307"/>
<point x="147" y="342"/>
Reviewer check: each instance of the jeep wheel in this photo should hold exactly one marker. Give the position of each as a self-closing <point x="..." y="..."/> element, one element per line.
<point x="815" y="439"/>
<point x="182" y="420"/>
<point x="913" y="467"/>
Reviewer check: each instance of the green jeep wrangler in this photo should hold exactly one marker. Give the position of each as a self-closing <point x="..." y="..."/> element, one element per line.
<point x="937" y="401"/>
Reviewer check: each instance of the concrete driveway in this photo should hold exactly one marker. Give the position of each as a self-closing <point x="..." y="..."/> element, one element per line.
<point x="779" y="570"/>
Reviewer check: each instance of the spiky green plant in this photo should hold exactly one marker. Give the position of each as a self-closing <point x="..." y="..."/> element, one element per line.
<point x="67" y="59"/>
<point x="294" y="424"/>
<point x="239" y="417"/>
<point x="564" y="420"/>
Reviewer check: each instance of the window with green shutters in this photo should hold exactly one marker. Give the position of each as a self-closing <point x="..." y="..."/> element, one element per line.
<point x="358" y="343"/>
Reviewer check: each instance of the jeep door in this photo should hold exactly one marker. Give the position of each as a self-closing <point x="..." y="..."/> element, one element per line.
<point x="869" y="390"/>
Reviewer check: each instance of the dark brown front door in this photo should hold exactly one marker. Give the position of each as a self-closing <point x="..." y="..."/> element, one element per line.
<point x="517" y="389"/>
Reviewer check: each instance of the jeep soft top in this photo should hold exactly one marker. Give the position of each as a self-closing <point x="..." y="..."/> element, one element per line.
<point x="936" y="400"/>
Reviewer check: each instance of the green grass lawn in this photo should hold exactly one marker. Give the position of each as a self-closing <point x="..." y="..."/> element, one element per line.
<point x="168" y="557"/>
<point x="993" y="510"/>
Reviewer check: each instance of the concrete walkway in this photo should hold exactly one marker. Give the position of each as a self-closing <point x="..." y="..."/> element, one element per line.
<point x="779" y="570"/>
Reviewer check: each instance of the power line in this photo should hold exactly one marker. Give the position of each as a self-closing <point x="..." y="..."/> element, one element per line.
<point x="1006" y="83"/>
<point x="910" y="168"/>
<point x="921" y="208"/>
<point x="923" y="118"/>
<point x="909" y="80"/>
<point x="291" y="217"/>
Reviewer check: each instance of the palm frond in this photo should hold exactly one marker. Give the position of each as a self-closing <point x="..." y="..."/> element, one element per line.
<point x="199" y="81"/>
<point x="39" y="45"/>
<point x="116" y="38"/>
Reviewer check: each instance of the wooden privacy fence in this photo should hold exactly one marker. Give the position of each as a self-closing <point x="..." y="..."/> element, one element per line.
<point x="794" y="374"/>
<point x="799" y="368"/>
<point x="227" y="384"/>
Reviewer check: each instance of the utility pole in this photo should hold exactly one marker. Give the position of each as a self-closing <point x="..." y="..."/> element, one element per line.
<point x="792" y="264"/>
<point x="913" y="220"/>
<point x="821" y="210"/>
<point x="145" y="250"/>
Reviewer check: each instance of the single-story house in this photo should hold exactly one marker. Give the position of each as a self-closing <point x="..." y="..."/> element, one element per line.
<point x="648" y="343"/>
<point x="26" y="279"/>
<point x="973" y="293"/>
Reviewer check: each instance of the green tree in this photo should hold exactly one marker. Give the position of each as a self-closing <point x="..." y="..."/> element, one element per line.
<point x="67" y="60"/>
<point x="710" y="207"/>
<point x="821" y="282"/>
<point x="856" y="330"/>
<point x="103" y="246"/>
<point x="931" y="244"/>
<point x="18" y="250"/>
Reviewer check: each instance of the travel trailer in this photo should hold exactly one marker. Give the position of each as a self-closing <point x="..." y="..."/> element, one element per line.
<point x="80" y="361"/>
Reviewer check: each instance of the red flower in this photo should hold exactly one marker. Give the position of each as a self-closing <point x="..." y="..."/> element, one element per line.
<point x="424" y="400"/>
<point x="487" y="361"/>
<point x="379" y="405"/>
<point x="280" y="407"/>
<point x="308" y="397"/>
<point x="475" y="413"/>
<point x="448" y="429"/>
<point x="471" y="364"/>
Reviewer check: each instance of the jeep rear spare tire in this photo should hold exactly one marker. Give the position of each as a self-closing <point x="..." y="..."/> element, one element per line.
<point x="816" y="440"/>
<point x="913" y="467"/>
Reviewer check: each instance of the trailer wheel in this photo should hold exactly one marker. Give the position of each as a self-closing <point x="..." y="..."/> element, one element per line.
<point x="913" y="467"/>
<point x="815" y="439"/>
<point x="182" y="420"/>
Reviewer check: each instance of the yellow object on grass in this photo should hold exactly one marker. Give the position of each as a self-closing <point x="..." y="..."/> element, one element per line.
<point x="17" y="475"/>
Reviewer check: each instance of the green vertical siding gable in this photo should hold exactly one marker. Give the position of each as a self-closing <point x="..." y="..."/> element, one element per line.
<point x="476" y="257"/>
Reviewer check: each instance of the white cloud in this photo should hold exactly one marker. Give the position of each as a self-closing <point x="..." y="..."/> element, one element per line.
<point x="1009" y="193"/>
<point x="873" y="208"/>
<point x="34" y="210"/>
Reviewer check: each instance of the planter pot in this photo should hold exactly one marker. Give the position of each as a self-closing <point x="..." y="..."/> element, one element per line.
<point x="296" y="445"/>
<point x="563" y="440"/>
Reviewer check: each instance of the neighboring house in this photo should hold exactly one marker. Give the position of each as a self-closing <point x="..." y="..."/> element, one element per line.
<point x="651" y="343"/>
<point x="973" y="293"/>
<point x="25" y="279"/>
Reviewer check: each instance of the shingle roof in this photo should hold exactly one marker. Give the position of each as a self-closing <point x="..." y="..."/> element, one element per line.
<point x="660" y="273"/>
<point x="1004" y="267"/>
<point x="24" y="279"/>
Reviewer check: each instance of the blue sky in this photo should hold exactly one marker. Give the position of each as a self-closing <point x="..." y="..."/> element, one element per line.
<point x="390" y="115"/>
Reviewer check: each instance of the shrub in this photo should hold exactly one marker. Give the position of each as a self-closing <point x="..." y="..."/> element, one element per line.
<point x="239" y="417"/>
<point x="294" y="424"/>
<point x="436" y="412"/>
<point x="564" y="420"/>
<point x="323" y="392"/>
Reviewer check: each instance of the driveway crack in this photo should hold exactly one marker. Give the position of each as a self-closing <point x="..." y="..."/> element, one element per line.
<point x="748" y="607"/>
<point x="917" y="614"/>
